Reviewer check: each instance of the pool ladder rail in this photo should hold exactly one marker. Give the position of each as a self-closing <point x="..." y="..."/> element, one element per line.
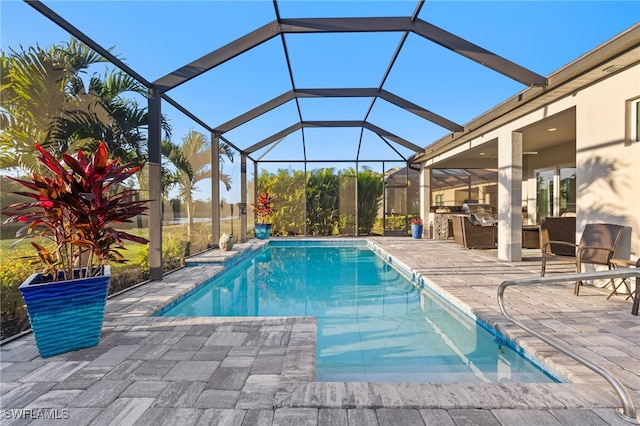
<point x="628" y="410"/>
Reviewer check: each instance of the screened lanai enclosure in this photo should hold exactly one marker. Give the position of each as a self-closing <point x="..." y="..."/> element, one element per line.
<point x="322" y="110"/>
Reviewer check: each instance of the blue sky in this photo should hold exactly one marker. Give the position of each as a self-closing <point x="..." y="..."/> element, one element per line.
<point x="157" y="37"/>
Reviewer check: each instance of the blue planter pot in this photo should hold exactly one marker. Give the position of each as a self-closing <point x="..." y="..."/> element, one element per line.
<point x="263" y="231"/>
<point x="416" y="231"/>
<point x="66" y="315"/>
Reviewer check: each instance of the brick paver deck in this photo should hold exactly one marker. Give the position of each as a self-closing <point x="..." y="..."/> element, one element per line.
<point x="260" y="371"/>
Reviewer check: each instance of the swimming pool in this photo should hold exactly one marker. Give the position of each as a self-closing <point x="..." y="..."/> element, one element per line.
<point x="374" y="324"/>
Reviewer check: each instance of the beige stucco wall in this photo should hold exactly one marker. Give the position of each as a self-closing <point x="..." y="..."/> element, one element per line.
<point x="608" y="178"/>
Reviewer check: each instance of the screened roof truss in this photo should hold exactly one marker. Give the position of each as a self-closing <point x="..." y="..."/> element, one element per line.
<point x="451" y="178"/>
<point x="338" y="93"/>
<point x="333" y="93"/>
<point x="349" y="25"/>
<point x="339" y="123"/>
<point x="280" y="27"/>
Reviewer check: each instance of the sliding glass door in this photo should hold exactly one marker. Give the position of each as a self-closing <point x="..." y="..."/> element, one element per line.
<point x="544" y="193"/>
<point x="555" y="191"/>
<point x="567" y="190"/>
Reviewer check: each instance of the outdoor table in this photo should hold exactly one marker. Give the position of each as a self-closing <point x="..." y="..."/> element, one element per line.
<point x="530" y="236"/>
<point x="635" y="294"/>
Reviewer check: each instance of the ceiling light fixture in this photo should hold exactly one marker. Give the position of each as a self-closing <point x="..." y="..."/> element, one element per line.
<point x="552" y="129"/>
<point x="530" y="153"/>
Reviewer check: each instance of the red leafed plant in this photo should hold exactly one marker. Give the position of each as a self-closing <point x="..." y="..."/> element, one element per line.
<point x="263" y="206"/>
<point x="76" y="209"/>
<point x="416" y="221"/>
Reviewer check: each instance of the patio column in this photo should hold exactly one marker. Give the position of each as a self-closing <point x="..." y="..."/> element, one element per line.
<point x="243" y="198"/>
<point x="215" y="189"/>
<point x="425" y="197"/>
<point x="255" y="191"/>
<point x="510" y="196"/>
<point x="155" y="184"/>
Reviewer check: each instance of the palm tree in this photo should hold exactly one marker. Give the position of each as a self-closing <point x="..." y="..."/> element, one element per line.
<point x="105" y="113"/>
<point x="196" y="150"/>
<point x="37" y="86"/>
<point x="172" y="154"/>
<point x="44" y="99"/>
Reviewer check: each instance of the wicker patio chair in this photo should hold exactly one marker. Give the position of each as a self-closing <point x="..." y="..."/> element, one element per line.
<point x="458" y="235"/>
<point x="597" y="246"/>
<point x="473" y="236"/>
<point x="554" y="229"/>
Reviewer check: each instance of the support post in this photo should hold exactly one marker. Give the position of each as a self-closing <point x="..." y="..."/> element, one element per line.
<point x="510" y="196"/>
<point x="406" y="201"/>
<point x="255" y="192"/>
<point x="425" y="198"/>
<point x="155" y="185"/>
<point x="243" y="198"/>
<point x="305" y="200"/>
<point x="357" y="199"/>
<point x="215" y="189"/>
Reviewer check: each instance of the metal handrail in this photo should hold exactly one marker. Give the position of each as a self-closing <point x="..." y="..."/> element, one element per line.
<point x="628" y="411"/>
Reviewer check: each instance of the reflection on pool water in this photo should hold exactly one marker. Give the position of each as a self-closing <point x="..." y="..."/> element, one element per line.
<point x="373" y="324"/>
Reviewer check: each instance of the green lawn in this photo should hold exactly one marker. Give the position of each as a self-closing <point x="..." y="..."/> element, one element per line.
<point x="174" y="241"/>
<point x="24" y="248"/>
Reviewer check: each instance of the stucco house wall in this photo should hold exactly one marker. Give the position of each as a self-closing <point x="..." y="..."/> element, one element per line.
<point x="608" y="178"/>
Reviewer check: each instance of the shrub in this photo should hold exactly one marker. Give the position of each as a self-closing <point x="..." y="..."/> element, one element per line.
<point x="12" y="274"/>
<point x="395" y="223"/>
<point x="76" y="206"/>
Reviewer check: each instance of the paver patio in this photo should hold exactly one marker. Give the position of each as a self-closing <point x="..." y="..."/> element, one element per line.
<point x="260" y="371"/>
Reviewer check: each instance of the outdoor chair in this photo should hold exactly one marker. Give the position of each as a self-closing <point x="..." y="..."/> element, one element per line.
<point x="473" y="236"/>
<point x="458" y="236"/>
<point x="554" y="229"/>
<point x="597" y="246"/>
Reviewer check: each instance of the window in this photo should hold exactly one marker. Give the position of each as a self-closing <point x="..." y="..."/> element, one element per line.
<point x="632" y="119"/>
<point x="544" y="193"/>
<point x="567" y="190"/>
<point x="555" y="191"/>
<point x="637" y="121"/>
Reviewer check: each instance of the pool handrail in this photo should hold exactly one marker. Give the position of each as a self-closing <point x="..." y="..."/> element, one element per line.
<point x="628" y="410"/>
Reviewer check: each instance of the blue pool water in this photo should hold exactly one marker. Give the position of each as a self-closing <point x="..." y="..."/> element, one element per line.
<point x="373" y="324"/>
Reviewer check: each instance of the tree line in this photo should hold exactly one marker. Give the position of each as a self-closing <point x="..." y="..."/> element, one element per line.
<point x="324" y="201"/>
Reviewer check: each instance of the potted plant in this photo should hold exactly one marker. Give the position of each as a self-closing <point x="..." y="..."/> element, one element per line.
<point x="263" y="208"/>
<point x="72" y="214"/>
<point x="416" y="227"/>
